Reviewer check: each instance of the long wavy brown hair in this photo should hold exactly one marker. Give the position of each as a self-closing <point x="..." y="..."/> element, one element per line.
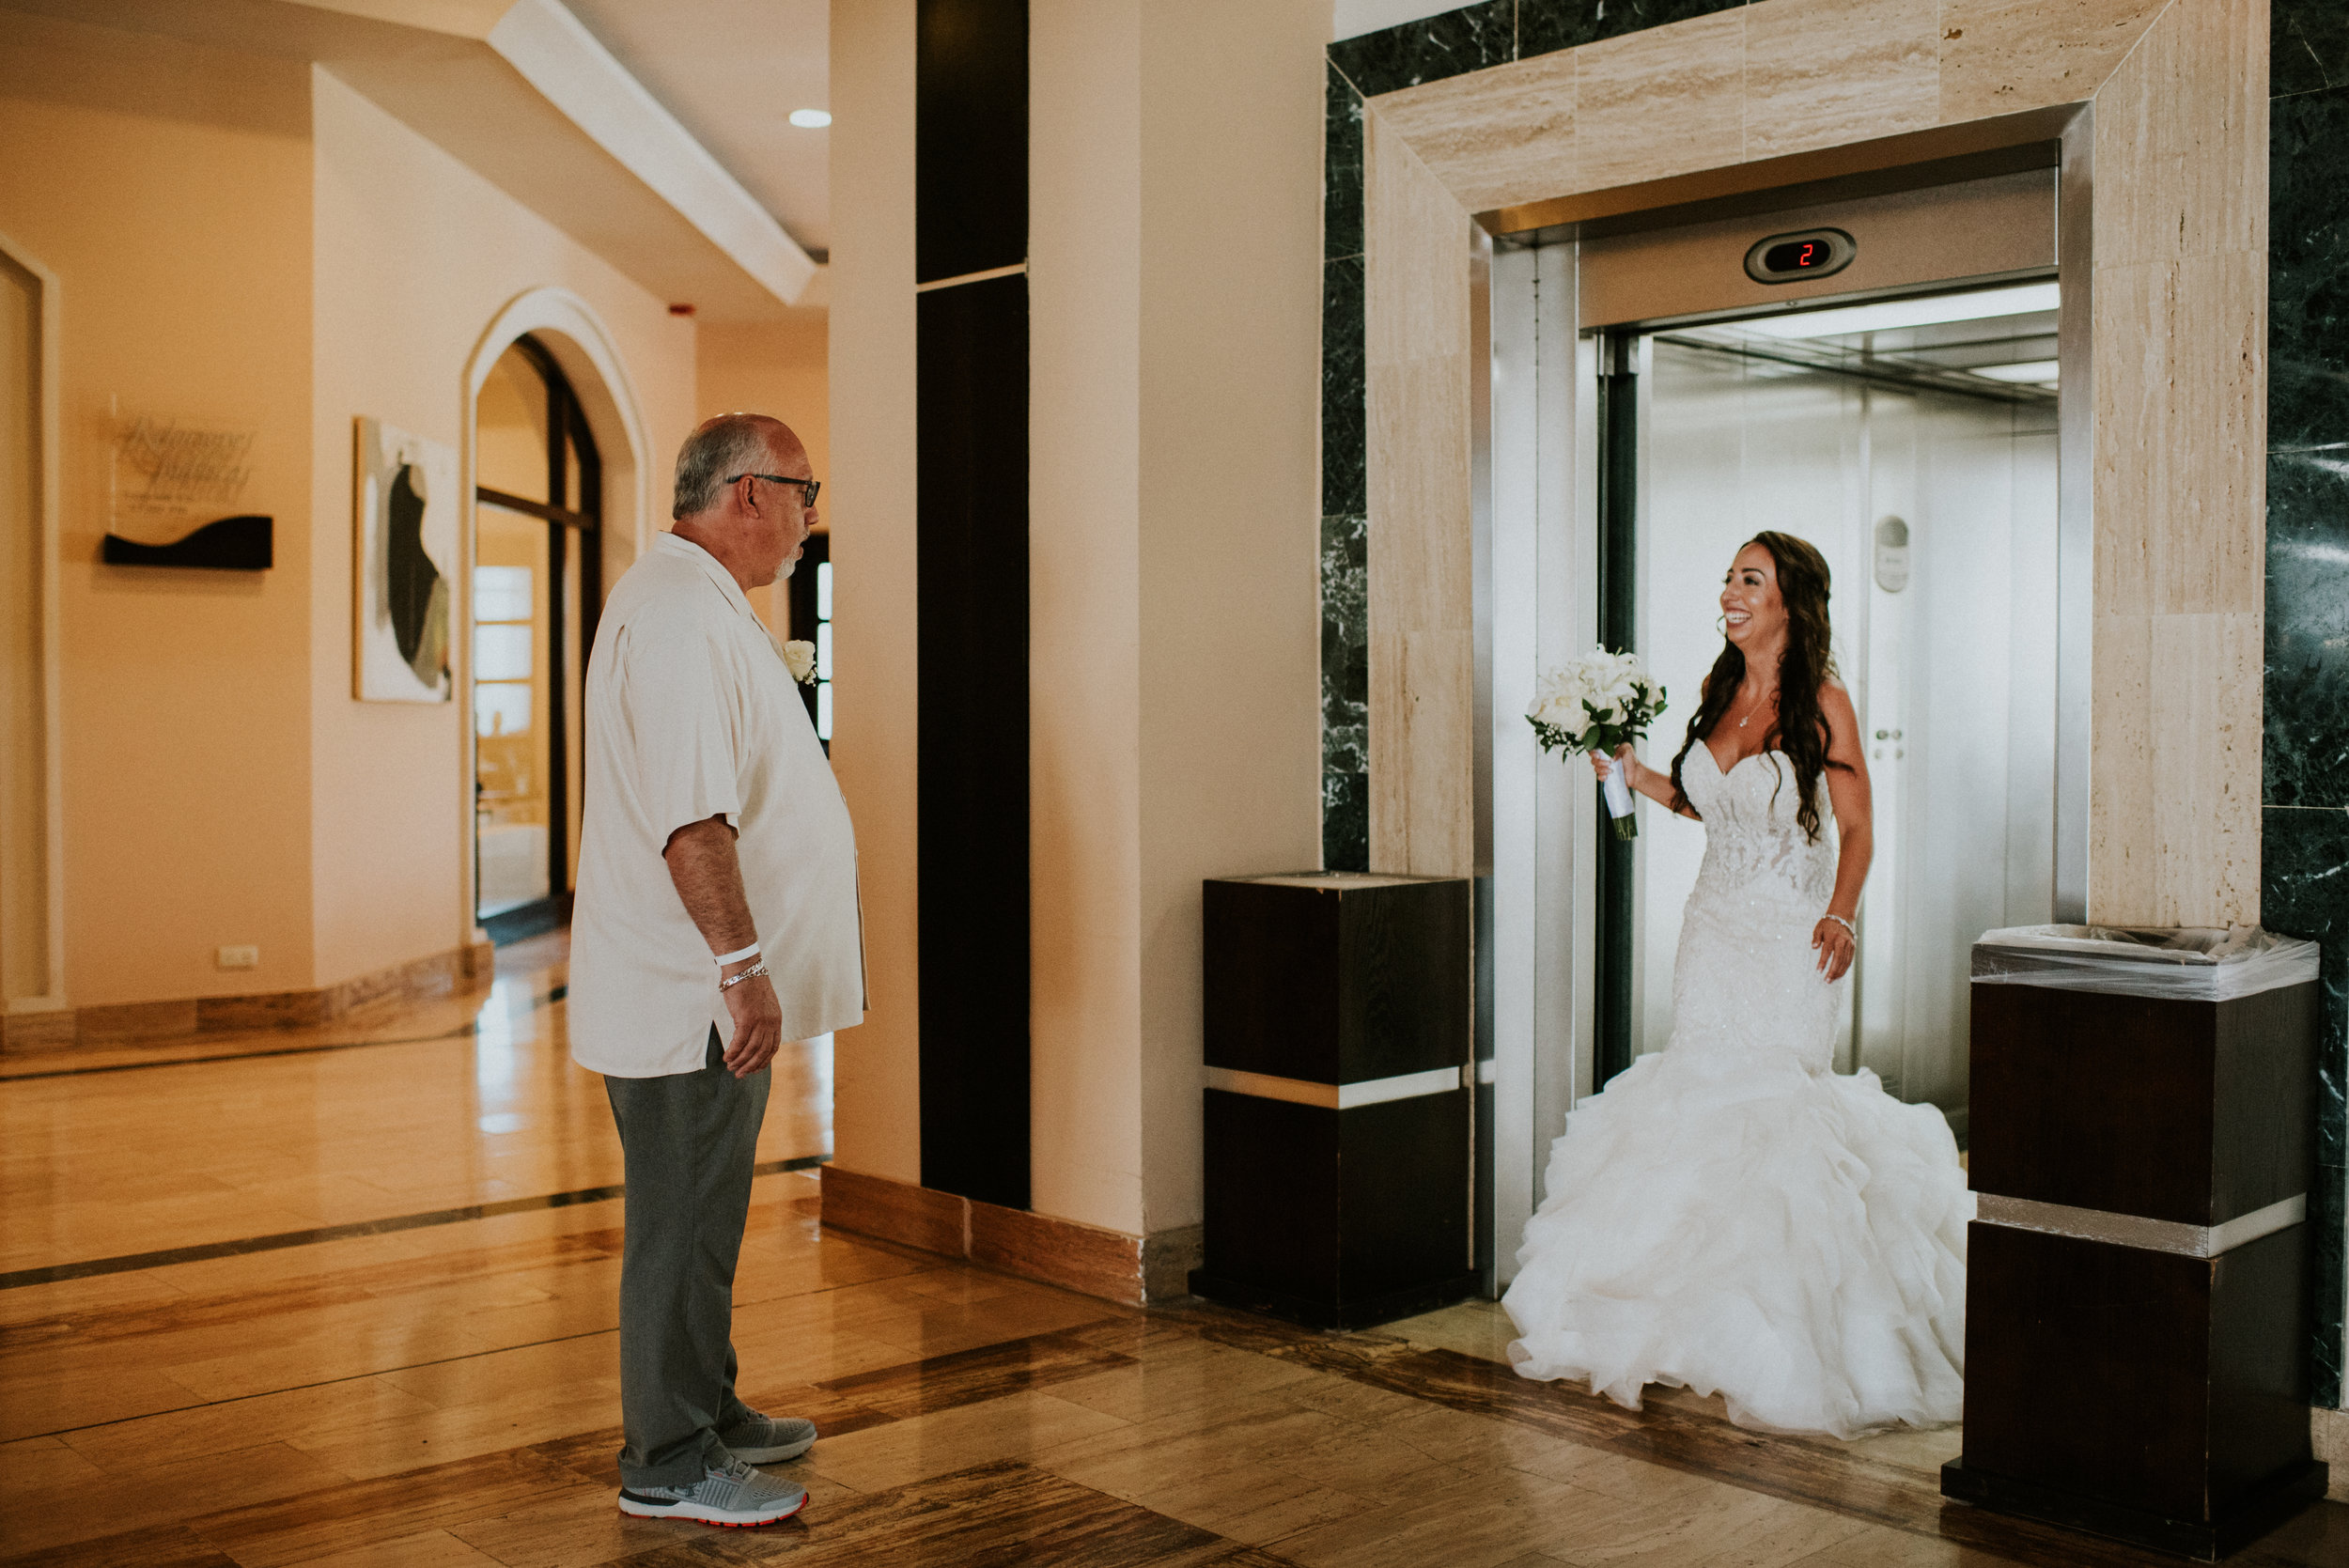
<point x="1800" y="728"/>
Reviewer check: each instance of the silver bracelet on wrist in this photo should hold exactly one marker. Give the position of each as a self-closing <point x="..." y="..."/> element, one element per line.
<point x="732" y="981"/>
<point x="1844" y="923"/>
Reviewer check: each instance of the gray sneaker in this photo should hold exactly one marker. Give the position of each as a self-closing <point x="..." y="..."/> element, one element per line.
<point x="770" y="1439"/>
<point x="737" y="1494"/>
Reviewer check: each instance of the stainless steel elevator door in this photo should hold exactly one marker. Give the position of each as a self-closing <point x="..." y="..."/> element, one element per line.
<point x="1946" y="638"/>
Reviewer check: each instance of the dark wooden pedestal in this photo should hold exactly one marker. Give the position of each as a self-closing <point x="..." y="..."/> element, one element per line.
<point x="2136" y="1306"/>
<point x="1339" y="1112"/>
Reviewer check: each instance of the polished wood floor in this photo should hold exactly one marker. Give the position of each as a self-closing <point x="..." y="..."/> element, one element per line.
<point x="346" y="1295"/>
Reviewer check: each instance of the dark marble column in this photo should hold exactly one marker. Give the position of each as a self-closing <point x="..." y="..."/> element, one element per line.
<point x="2304" y="873"/>
<point x="1345" y="501"/>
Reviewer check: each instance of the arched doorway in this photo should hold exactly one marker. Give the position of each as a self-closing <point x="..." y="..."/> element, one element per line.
<point x="536" y="585"/>
<point x="32" y="834"/>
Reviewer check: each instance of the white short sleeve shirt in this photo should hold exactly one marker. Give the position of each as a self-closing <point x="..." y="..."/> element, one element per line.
<point x="691" y="713"/>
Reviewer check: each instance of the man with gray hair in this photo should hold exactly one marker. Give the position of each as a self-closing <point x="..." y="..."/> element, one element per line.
<point x="716" y="919"/>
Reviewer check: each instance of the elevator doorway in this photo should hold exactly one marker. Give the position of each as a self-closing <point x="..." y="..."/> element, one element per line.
<point x="1913" y="440"/>
<point x="537" y="582"/>
<point x="1886" y="376"/>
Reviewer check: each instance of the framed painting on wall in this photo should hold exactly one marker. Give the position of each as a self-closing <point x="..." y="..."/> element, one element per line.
<point x="405" y="511"/>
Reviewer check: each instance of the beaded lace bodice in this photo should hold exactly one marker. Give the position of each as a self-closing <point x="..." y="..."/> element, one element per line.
<point x="1750" y="835"/>
<point x="1745" y="979"/>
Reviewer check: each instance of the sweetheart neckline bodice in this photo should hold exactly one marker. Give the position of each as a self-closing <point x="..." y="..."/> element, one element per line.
<point x="1724" y="772"/>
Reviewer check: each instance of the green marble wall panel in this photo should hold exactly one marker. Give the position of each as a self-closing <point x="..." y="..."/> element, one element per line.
<point x="2304" y="869"/>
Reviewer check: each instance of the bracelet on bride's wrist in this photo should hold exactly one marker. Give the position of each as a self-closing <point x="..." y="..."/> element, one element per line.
<point x="1844" y="923"/>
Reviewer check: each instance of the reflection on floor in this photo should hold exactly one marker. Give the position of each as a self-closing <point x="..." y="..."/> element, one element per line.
<point x="443" y="1391"/>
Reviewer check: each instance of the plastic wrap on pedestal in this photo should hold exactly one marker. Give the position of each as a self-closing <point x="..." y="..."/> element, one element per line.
<point x="2188" y="963"/>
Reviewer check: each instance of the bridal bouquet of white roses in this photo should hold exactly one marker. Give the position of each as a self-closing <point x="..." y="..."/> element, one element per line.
<point x="1595" y="704"/>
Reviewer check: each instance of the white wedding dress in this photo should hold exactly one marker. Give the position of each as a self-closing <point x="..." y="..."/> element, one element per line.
<point x="1733" y="1215"/>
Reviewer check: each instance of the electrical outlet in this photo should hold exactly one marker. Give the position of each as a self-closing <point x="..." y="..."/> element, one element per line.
<point x="240" y="958"/>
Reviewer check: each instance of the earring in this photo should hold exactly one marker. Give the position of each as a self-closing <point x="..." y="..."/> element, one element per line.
<point x="1720" y="623"/>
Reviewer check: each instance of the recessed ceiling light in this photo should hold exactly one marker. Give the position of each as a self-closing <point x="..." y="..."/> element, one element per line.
<point x="2042" y="370"/>
<point x="811" y="119"/>
<point x="1887" y="315"/>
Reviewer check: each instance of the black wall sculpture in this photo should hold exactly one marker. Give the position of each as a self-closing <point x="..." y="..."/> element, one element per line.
<point x="233" y="544"/>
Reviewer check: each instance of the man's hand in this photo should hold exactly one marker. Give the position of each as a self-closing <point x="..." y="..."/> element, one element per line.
<point x="757" y="1023"/>
<point x="709" y="879"/>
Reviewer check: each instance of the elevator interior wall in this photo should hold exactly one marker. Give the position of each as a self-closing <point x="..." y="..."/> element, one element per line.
<point x="1937" y="513"/>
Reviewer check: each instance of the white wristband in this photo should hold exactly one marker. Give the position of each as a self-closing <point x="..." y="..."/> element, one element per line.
<point x="722" y="959"/>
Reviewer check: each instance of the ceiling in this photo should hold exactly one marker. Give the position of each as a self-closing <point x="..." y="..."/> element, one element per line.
<point x="656" y="133"/>
<point x="731" y="70"/>
<point x="1997" y="343"/>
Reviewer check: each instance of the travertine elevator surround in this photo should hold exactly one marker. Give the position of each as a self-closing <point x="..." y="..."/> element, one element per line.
<point x="2180" y="271"/>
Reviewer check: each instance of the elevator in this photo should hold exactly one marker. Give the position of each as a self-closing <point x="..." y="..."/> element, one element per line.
<point x="1883" y="374"/>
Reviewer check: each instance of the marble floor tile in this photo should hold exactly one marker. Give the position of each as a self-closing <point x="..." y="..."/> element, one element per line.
<point x="1221" y="1474"/>
<point x="31" y="1305"/>
<point x="1924" y="1451"/>
<point x="972" y="1376"/>
<point x="1186" y="1380"/>
<point x="447" y="1393"/>
<point x="432" y="1548"/>
<point x="308" y="1419"/>
<point x="997" y="1514"/>
<point x="161" y="1492"/>
<point x="411" y="1437"/>
<point x="1873" y="1546"/>
<point x="324" y="1520"/>
<point x="33" y="1469"/>
<point x="575" y="1525"/>
<point x="162" y="1546"/>
<point x="1016" y="1426"/>
<point x="1480" y="1443"/>
<point x="43" y="1400"/>
<point x="1725" y="1528"/>
<point x="1478" y="1328"/>
<point x="1477" y="1522"/>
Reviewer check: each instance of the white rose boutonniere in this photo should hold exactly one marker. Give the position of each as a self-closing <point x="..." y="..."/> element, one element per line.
<point x="799" y="659"/>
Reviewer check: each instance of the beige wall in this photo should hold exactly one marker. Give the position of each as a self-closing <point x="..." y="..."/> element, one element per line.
<point x="775" y="367"/>
<point x="1086" y="724"/>
<point x="167" y="186"/>
<point x="243" y="239"/>
<point x="868" y="503"/>
<point x="1230" y="497"/>
<point x="1175" y="229"/>
<point x="417" y="254"/>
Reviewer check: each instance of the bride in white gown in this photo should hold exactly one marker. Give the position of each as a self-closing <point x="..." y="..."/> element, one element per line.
<point x="1731" y="1215"/>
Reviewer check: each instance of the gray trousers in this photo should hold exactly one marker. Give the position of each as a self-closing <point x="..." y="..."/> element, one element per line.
<point x="690" y="1140"/>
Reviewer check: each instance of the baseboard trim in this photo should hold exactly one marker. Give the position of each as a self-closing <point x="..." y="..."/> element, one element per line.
<point x="435" y="975"/>
<point x="895" y="1211"/>
<point x="1132" y="1270"/>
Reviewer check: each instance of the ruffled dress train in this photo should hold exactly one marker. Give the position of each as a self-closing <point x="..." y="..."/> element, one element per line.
<point x="1732" y="1215"/>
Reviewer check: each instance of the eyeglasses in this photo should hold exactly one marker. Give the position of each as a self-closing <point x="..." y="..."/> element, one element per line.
<point x="807" y="487"/>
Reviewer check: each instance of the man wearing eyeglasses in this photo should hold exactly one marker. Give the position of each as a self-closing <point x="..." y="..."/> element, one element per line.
<point x="716" y="919"/>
